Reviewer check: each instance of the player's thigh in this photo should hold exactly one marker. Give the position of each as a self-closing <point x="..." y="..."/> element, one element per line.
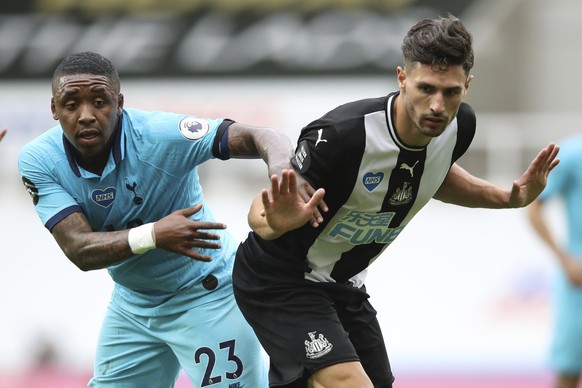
<point x="128" y="355"/>
<point x="220" y="349"/>
<point x="366" y="336"/>
<point x="343" y="375"/>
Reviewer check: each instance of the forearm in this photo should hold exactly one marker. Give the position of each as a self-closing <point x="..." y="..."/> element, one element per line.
<point x="273" y="147"/>
<point x="90" y="250"/>
<point x="463" y="189"/>
<point x="537" y="221"/>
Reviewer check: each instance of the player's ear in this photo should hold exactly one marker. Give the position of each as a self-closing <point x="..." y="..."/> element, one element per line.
<point x="53" y="109"/>
<point x="469" y="79"/>
<point x="120" y="101"/>
<point x="401" y="77"/>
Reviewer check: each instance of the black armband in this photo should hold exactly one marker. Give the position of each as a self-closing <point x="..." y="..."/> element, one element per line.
<point x="220" y="145"/>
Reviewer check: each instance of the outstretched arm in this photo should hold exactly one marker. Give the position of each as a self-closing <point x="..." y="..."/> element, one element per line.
<point x="247" y="141"/>
<point x="571" y="266"/>
<point x="281" y="209"/>
<point x="464" y="189"/>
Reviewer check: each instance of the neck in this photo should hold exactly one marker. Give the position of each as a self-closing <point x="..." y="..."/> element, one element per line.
<point x="404" y="126"/>
<point x="95" y="164"/>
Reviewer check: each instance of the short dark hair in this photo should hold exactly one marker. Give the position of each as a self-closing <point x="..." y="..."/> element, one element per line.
<point x="439" y="42"/>
<point x="87" y="63"/>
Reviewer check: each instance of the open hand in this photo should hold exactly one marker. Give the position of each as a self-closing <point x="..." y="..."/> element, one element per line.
<point x="534" y="179"/>
<point x="177" y="233"/>
<point x="284" y="207"/>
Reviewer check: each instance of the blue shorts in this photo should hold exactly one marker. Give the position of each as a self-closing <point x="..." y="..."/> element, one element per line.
<point x="566" y="353"/>
<point x="213" y="344"/>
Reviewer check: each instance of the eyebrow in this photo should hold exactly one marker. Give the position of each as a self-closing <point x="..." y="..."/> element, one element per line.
<point x="452" y="88"/>
<point x="73" y="90"/>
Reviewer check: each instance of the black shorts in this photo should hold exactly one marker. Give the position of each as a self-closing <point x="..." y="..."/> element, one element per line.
<point x="305" y="326"/>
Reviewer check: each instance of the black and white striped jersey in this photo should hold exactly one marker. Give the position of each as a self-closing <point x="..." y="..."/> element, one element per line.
<point x="374" y="185"/>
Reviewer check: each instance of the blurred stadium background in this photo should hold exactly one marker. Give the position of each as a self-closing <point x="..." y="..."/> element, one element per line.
<point x="463" y="295"/>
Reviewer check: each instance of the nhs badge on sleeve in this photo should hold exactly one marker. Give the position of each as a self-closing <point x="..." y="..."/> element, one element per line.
<point x="193" y="128"/>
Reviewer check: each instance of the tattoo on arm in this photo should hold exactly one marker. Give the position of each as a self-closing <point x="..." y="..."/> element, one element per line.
<point x="90" y="250"/>
<point x="241" y="142"/>
<point x="273" y="147"/>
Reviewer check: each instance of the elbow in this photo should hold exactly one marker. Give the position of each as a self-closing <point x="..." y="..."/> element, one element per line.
<point x="84" y="268"/>
<point x="81" y="262"/>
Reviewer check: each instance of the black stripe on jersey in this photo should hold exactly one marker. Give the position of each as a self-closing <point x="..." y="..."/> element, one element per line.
<point x="321" y="168"/>
<point x="467" y="122"/>
<point x="401" y="194"/>
<point x="404" y="184"/>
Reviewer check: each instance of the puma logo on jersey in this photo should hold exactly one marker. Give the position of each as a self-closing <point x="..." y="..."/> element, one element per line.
<point x="405" y="166"/>
<point x="319" y="138"/>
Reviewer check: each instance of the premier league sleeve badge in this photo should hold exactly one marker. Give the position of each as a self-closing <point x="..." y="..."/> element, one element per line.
<point x="193" y="128"/>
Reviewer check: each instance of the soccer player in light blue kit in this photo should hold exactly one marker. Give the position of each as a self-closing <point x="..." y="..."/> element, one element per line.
<point x="119" y="189"/>
<point x="565" y="183"/>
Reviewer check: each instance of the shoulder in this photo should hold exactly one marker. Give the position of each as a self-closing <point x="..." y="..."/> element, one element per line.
<point x="168" y="125"/>
<point x="466" y="117"/>
<point x="143" y="121"/>
<point x="571" y="144"/>
<point x="346" y="117"/>
<point x="356" y="109"/>
<point x="46" y="146"/>
<point x="571" y="150"/>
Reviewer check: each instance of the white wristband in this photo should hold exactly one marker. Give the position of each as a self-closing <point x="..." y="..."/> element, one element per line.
<point x="142" y="238"/>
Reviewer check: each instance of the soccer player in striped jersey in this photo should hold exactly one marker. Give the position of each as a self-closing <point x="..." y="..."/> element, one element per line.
<point x="378" y="161"/>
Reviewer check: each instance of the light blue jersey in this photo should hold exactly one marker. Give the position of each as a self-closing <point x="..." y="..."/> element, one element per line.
<point x="150" y="173"/>
<point x="565" y="182"/>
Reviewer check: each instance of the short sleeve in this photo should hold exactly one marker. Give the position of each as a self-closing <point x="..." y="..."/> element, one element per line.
<point x="51" y="201"/>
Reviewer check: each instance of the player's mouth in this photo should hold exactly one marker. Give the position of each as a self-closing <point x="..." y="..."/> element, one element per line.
<point x="435" y="121"/>
<point x="88" y="136"/>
